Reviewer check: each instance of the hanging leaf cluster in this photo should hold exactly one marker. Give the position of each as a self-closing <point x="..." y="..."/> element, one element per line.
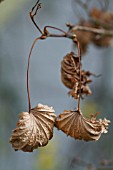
<point x="35" y="127"/>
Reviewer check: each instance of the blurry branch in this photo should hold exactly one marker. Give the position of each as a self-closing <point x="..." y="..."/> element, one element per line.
<point x="82" y="163"/>
<point x="104" y="4"/>
<point x="101" y="23"/>
<point x="105" y="164"/>
<point x="1" y="1"/>
<point x="83" y="5"/>
<point x="89" y="29"/>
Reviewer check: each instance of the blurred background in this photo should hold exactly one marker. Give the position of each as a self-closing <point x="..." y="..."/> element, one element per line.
<point x="17" y="33"/>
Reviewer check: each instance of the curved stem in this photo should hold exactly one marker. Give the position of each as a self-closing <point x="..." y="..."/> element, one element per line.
<point x="54" y="28"/>
<point x="28" y="66"/>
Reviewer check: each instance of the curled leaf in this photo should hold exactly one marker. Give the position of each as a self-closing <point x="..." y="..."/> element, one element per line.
<point x="70" y="76"/>
<point x="34" y="129"/>
<point x="69" y="69"/>
<point x="75" y="125"/>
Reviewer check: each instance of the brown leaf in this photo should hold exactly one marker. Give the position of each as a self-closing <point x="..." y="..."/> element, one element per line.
<point x="69" y="69"/>
<point x="70" y="76"/>
<point x="34" y="129"/>
<point x="75" y="125"/>
<point x="102" y="19"/>
<point x="102" y="15"/>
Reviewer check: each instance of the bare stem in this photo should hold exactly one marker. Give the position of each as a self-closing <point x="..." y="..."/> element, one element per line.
<point x="79" y="56"/>
<point x="93" y="30"/>
<point x="33" y="12"/>
<point x="45" y="29"/>
<point x="28" y="66"/>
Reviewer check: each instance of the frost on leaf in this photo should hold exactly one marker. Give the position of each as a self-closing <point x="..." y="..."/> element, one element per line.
<point x="75" y="125"/>
<point x="34" y="129"/>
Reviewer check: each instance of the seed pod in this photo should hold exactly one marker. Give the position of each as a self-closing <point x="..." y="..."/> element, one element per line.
<point x="34" y="129"/>
<point x="70" y="76"/>
<point x="75" y="125"/>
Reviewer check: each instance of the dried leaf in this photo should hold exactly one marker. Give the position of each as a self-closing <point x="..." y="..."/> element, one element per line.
<point x="75" y="125"/>
<point x="102" y="15"/>
<point x="85" y="90"/>
<point x="70" y="76"/>
<point x="69" y="69"/>
<point x="102" y="19"/>
<point x="34" y="129"/>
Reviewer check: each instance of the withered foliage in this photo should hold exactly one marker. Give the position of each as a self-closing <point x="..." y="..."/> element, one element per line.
<point x="74" y="124"/>
<point x="102" y="19"/>
<point x="99" y="19"/>
<point x="102" y="16"/>
<point x="70" y="75"/>
<point x="34" y="129"/>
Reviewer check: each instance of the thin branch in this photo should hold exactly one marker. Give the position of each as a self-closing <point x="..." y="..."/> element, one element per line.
<point x="65" y="34"/>
<point x="45" y="29"/>
<point x="99" y="22"/>
<point x="83" y="5"/>
<point x="104" y="4"/>
<point x="33" y="12"/>
<point x="93" y="30"/>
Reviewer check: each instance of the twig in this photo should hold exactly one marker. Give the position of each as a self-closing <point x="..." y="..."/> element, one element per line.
<point x="93" y="30"/>
<point x="104" y="5"/>
<point x="83" y="5"/>
<point x="33" y="12"/>
<point x="107" y="26"/>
